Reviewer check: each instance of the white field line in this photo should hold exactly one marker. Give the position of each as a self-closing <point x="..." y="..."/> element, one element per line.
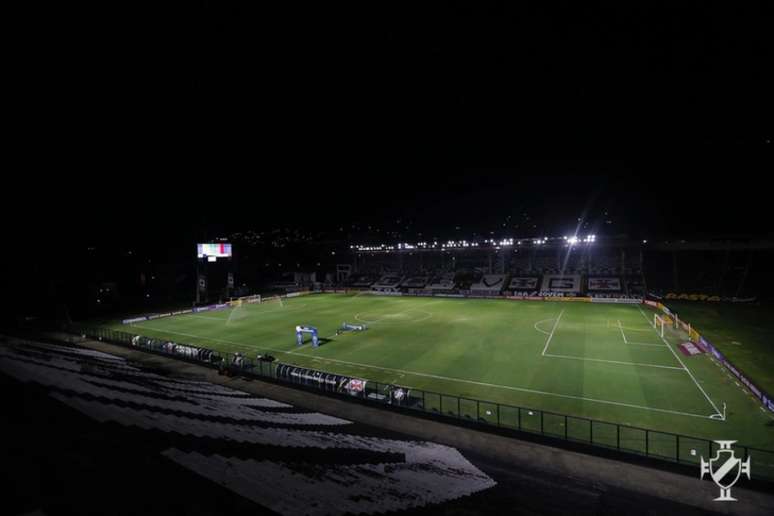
<point x="544" y="332"/>
<point x="212" y="339"/>
<point x="622" y="332"/>
<point x="452" y="379"/>
<point x="551" y="335"/>
<point x="207" y="317"/>
<point x="385" y="318"/>
<point x="291" y="308"/>
<point x="263" y="312"/>
<point x="613" y="361"/>
<point x="717" y="411"/>
<point x="248" y="314"/>
<point x="626" y="341"/>
<point x="646" y="344"/>
<point x="520" y="389"/>
<point x="618" y="324"/>
<point x="634" y="329"/>
<point x="600" y="359"/>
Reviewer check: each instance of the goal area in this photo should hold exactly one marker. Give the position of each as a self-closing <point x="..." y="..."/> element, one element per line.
<point x="238" y="301"/>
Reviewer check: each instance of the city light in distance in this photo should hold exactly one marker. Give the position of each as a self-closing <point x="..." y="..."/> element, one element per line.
<point x="486" y="243"/>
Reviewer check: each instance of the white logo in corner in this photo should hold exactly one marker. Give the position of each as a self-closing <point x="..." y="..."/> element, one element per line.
<point x="725" y="469"/>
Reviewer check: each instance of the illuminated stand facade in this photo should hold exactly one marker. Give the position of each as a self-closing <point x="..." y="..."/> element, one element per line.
<point x="300" y="330"/>
<point x="214" y="271"/>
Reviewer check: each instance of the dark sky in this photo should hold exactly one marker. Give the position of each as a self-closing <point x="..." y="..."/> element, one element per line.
<point x="150" y="128"/>
<point x="685" y="198"/>
<point x="221" y="116"/>
<point x="474" y="81"/>
<point x="467" y="83"/>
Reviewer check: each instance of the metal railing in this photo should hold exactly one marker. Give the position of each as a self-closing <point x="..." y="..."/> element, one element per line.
<point x="676" y="448"/>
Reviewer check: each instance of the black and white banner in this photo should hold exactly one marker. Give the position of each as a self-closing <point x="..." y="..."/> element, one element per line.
<point x="523" y="284"/>
<point x="492" y="281"/>
<point x="322" y="380"/>
<point x="561" y="283"/>
<point x="606" y="284"/>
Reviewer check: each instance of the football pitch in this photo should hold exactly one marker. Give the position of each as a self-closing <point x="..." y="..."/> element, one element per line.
<point x="601" y="361"/>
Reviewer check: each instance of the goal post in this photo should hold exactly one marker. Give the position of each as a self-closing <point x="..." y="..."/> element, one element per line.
<point x="659" y="323"/>
<point x="238" y="301"/>
<point x="684" y="325"/>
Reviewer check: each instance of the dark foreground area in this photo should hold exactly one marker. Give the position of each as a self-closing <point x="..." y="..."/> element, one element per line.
<point x="59" y="461"/>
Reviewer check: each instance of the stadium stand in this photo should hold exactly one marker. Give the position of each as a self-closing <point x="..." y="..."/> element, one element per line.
<point x="546" y="262"/>
<point x="387" y="283"/>
<point x="604" y="284"/>
<point x="415" y="282"/>
<point x="573" y="262"/>
<point x="361" y="280"/>
<point x="604" y="263"/>
<point x="726" y="274"/>
<point x="635" y="286"/>
<point x="524" y="284"/>
<point x="632" y="264"/>
<point x="520" y="263"/>
<point x="563" y="284"/>
<point x="488" y="285"/>
<point x="288" y="460"/>
<point x="442" y="282"/>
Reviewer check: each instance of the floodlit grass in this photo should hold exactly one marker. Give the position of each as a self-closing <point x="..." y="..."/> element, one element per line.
<point x="598" y="361"/>
<point x="744" y="333"/>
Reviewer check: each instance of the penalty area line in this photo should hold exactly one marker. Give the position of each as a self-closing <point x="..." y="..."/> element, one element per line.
<point x="622" y="333"/>
<point x="585" y="359"/>
<point x="627" y="341"/>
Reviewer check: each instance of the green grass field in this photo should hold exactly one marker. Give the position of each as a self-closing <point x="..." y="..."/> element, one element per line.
<point x="599" y="361"/>
<point x="743" y="332"/>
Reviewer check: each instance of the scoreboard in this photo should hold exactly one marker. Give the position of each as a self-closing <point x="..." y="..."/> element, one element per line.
<point x="210" y="251"/>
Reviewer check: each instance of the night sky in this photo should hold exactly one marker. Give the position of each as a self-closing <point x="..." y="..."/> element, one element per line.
<point x="465" y="83"/>
<point x="224" y="116"/>
<point x="154" y="130"/>
<point x="689" y="198"/>
<point x="474" y="82"/>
